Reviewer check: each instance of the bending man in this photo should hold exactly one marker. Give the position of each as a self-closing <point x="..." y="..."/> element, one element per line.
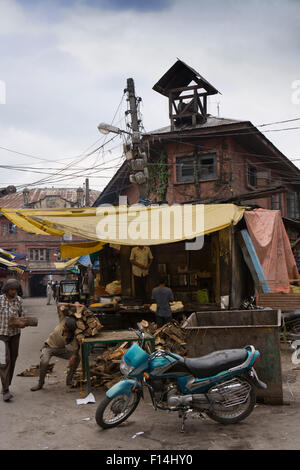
<point x="61" y="343"/>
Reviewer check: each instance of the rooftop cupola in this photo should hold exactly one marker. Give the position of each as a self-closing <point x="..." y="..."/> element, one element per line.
<point x="187" y="91"/>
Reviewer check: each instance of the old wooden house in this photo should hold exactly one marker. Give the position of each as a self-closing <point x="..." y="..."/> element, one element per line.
<point x="200" y="158"/>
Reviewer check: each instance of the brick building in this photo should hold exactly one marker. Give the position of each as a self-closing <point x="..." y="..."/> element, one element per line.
<point x="208" y="159"/>
<point x="41" y="251"/>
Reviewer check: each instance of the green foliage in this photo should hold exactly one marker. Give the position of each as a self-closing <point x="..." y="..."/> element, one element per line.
<point x="158" y="178"/>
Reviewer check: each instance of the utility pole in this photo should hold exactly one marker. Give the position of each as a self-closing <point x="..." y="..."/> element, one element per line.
<point x="137" y="157"/>
<point x="87" y="193"/>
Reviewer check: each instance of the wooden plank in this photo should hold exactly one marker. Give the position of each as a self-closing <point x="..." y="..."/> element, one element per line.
<point x="279" y="300"/>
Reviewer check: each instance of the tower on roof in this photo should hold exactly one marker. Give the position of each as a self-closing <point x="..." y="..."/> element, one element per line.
<point x="187" y="91"/>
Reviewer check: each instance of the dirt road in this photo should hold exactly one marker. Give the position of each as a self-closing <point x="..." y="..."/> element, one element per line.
<point x="51" y="419"/>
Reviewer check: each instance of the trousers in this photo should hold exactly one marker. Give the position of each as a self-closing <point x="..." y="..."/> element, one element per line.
<point x="140" y="283"/>
<point x="160" y="321"/>
<point x="9" y="346"/>
<point x="47" y="352"/>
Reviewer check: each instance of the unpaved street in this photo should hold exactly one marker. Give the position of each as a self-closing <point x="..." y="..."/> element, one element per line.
<point x="51" y="419"/>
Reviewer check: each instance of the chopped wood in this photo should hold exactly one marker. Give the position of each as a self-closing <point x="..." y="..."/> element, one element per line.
<point x="106" y="367"/>
<point x="80" y="337"/>
<point x="115" y="354"/>
<point x="34" y="371"/>
<point x="15" y="322"/>
<point x="80" y="325"/>
<point x="79" y="310"/>
<point x="144" y="324"/>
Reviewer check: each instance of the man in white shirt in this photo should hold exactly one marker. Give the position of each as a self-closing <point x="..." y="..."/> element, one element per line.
<point x="141" y="259"/>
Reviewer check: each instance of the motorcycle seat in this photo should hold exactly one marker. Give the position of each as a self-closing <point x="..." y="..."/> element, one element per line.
<point x="216" y="362"/>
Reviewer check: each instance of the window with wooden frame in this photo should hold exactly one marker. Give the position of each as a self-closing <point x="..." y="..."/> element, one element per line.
<point x="293" y="205"/>
<point x="206" y="168"/>
<point x="185" y="169"/>
<point x="4" y="229"/>
<point x="276" y="202"/>
<point x="39" y="254"/>
<point x="252" y="176"/>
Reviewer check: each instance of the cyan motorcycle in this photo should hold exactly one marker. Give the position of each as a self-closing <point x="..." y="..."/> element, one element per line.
<point x="221" y="384"/>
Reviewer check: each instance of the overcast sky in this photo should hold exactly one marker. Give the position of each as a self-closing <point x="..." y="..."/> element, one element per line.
<point x="64" y="65"/>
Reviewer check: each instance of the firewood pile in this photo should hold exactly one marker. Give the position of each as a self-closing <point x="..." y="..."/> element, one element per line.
<point x="170" y="336"/>
<point x="105" y="371"/>
<point x="87" y="323"/>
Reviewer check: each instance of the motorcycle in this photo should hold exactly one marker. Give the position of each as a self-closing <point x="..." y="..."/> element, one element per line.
<point x="221" y="384"/>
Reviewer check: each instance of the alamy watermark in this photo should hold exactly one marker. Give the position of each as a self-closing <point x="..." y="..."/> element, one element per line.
<point x="296" y="92"/>
<point x="2" y="92"/>
<point x="159" y="223"/>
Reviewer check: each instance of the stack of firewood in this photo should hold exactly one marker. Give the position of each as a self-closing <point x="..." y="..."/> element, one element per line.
<point x="105" y="371"/>
<point x="170" y="336"/>
<point x="87" y="323"/>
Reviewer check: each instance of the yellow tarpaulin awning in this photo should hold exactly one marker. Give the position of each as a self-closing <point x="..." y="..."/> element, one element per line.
<point x="70" y="250"/>
<point x="11" y="265"/>
<point x="66" y="264"/>
<point x="130" y="225"/>
<point x="6" y="253"/>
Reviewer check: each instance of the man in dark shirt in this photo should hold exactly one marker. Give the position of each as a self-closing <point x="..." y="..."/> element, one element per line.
<point x="162" y="295"/>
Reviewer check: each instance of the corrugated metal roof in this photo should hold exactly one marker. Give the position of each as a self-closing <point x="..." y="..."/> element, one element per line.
<point x="212" y="121"/>
<point x="16" y="200"/>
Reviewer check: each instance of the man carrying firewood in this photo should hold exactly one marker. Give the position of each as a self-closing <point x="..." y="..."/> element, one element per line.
<point x="61" y="343"/>
<point x="10" y="307"/>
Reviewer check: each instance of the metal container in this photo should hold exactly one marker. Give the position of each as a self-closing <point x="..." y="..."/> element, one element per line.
<point x="230" y="329"/>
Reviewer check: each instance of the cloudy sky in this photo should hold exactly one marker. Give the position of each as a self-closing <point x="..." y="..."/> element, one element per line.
<point x="64" y="65"/>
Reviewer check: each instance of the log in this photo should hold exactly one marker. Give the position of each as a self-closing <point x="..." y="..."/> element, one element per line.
<point x="80" y="325"/>
<point x="80" y="337"/>
<point x="88" y="313"/>
<point x="79" y="311"/>
<point x="14" y="322"/>
<point x="91" y="322"/>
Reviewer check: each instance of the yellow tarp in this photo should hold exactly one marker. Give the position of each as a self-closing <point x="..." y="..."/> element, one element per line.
<point x="130" y="225"/>
<point x="11" y="265"/>
<point x="6" y="253"/>
<point x="66" y="264"/>
<point x="23" y="221"/>
<point x="70" y="250"/>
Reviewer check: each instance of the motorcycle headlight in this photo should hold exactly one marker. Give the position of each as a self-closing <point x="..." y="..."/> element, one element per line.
<point x="125" y="368"/>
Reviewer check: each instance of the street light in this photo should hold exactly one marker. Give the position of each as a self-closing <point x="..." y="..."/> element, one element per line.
<point x="107" y="128"/>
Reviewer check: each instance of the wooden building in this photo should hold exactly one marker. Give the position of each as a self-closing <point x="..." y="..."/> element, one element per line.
<point x="207" y="159"/>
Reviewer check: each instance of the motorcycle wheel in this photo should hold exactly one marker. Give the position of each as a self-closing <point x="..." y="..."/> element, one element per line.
<point x="236" y="413"/>
<point x="113" y="411"/>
